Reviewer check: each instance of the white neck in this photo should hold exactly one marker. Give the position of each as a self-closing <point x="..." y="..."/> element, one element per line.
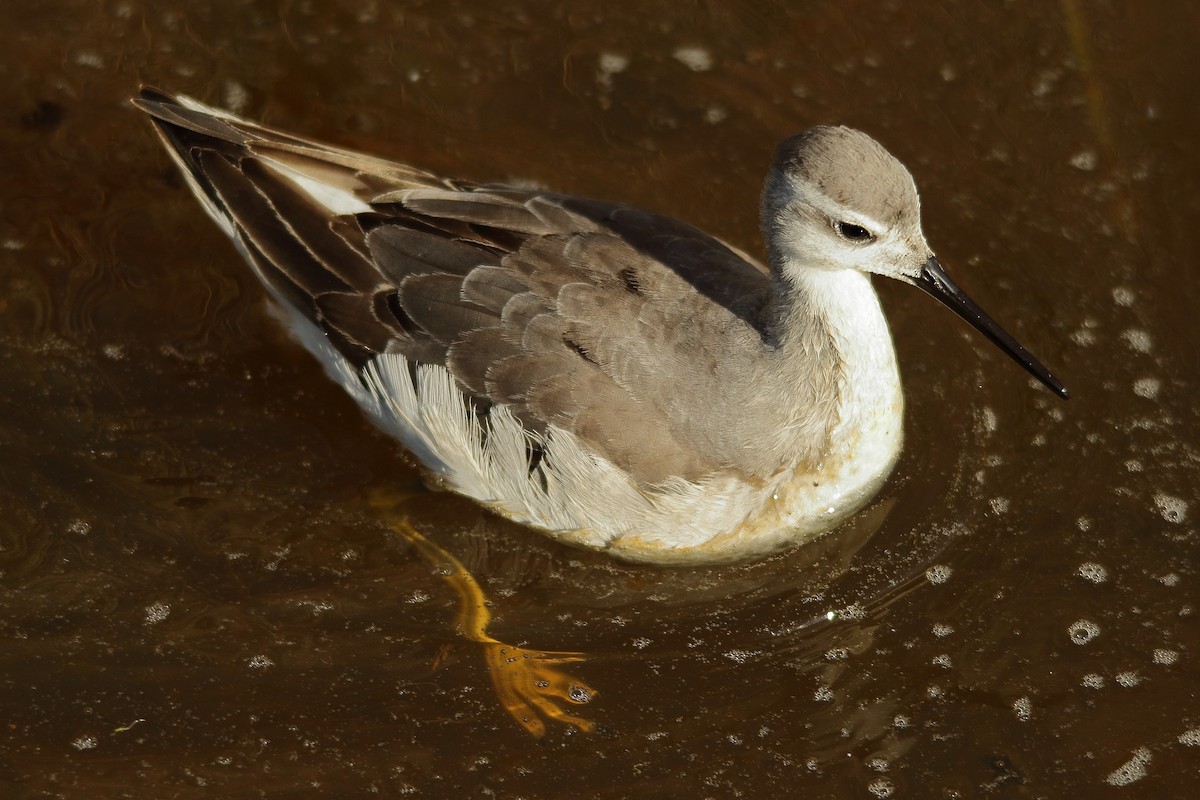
<point x="870" y="379"/>
<point x="868" y="432"/>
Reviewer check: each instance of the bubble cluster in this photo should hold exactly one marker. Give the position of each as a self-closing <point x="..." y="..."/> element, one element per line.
<point x="1091" y="571"/>
<point x="1147" y="387"/>
<point x="610" y="64"/>
<point x="1170" y="507"/>
<point x="259" y="662"/>
<point x="1086" y="334"/>
<point x="1093" y="681"/>
<point x="1132" y="770"/>
<point x="613" y="63"/>
<point x="156" y="612"/>
<point x="1085" y="160"/>
<point x="881" y="787"/>
<point x="1123" y="296"/>
<point x="1165" y="657"/>
<point x="938" y="573"/>
<point x="1023" y="708"/>
<point x="1128" y="679"/>
<point x="1083" y="631"/>
<point x="697" y="59"/>
<point x="1138" y="340"/>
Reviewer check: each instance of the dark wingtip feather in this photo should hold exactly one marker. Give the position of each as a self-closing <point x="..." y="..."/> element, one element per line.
<point x="149" y="97"/>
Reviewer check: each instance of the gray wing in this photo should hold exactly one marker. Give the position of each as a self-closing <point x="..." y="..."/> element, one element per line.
<point x="575" y="313"/>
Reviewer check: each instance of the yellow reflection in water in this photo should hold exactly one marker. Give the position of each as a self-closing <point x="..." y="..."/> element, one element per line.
<point x="528" y="683"/>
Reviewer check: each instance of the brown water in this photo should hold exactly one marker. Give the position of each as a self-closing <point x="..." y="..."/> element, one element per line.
<point x="197" y="597"/>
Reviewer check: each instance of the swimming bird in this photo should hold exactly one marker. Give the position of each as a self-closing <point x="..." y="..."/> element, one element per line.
<point x="610" y="376"/>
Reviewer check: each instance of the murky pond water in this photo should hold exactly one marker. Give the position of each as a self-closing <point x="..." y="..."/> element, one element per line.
<point x="201" y="595"/>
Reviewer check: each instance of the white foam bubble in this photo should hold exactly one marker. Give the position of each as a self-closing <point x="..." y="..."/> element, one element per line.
<point x="235" y="97"/>
<point x="1023" y="708"/>
<point x="697" y="59"/>
<point x="742" y="656"/>
<point x="1093" y="681"/>
<point x="938" y="573"/>
<point x="1085" y="160"/>
<point x="853" y="611"/>
<point x="1091" y="571"/>
<point x="1123" y="296"/>
<point x="1172" y="508"/>
<point x="1191" y="738"/>
<point x="613" y="63"/>
<point x="1085" y="335"/>
<point x="89" y="58"/>
<point x="1138" y="339"/>
<point x="610" y="64"/>
<point x="1147" y="387"/>
<point x="1128" y="679"/>
<point x="1132" y="770"/>
<point x="1083" y="631"/>
<point x="881" y="787"/>
<point x="1165" y="657"/>
<point x="156" y="613"/>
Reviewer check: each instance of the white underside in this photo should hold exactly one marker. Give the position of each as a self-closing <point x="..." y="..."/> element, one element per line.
<point x="581" y="498"/>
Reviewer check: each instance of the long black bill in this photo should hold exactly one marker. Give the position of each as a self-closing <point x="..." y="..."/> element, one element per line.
<point x="935" y="281"/>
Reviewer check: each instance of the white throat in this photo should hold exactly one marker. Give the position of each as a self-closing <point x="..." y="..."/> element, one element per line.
<point x="870" y="383"/>
<point x="866" y="438"/>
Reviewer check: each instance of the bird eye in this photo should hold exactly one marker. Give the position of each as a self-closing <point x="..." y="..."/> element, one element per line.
<point x="855" y="233"/>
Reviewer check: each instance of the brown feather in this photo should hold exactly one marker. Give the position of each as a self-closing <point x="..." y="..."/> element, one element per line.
<point x="573" y="312"/>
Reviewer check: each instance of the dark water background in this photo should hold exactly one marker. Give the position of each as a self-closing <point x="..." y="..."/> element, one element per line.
<point x="197" y="599"/>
